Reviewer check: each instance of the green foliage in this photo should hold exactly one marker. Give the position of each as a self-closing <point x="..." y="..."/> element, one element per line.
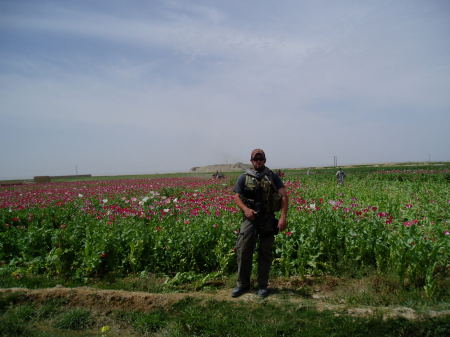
<point x="375" y="221"/>
<point x="370" y="223"/>
<point x="174" y="192"/>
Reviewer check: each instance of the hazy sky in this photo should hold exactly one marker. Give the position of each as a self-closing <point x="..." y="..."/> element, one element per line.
<point x="113" y="87"/>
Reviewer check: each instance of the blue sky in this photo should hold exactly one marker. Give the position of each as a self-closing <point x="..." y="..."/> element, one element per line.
<point x="117" y="87"/>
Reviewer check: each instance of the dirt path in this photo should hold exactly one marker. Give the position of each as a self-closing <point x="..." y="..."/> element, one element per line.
<point x="108" y="300"/>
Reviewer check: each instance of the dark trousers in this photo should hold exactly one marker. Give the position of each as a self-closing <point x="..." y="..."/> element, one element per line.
<point x="259" y="231"/>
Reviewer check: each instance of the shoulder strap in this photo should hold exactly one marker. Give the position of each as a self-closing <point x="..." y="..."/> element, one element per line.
<point x="270" y="176"/>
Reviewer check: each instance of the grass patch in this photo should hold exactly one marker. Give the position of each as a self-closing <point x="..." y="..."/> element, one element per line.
<point x="384" y="290"/>
<point x="147" y="282"/>
<point x="191" y="317"/>
<point x="18" y="321"/>
<point x="194" y="317"/>
<point x="75" y="319"/>
<point x="50" y="308"/>
<point x="25" y="312"/>
<point x="32" y="281"/>
<point x="11" y="325"/>
<point x="146" y="323"/>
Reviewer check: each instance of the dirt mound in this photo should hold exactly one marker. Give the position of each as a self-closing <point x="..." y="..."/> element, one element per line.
<point x="101" y="300"/>
<point x="109" y="300"/>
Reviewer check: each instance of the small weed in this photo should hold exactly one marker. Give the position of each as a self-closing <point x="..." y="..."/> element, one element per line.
<point x="49" y="309"/>
<point x="25" y="312"/>
<point x="75" y="319"/>
<point x="149" y="322"/>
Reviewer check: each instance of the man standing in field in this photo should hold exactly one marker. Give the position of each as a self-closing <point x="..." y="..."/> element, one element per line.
<point x="340" y="175"/>
<point x="259" y="194"/>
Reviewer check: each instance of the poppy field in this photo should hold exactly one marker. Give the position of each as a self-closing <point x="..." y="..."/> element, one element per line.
<point x="390" y="221"/>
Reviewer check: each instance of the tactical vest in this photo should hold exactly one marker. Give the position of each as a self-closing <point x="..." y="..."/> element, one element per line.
<point x="261" y="194"/>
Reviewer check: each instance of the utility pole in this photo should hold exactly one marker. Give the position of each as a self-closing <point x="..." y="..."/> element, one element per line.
<point x="335" y="161"/>
<point x="76" y="169"/>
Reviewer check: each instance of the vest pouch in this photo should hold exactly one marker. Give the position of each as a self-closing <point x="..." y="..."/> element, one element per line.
<point x="265" y="190"/>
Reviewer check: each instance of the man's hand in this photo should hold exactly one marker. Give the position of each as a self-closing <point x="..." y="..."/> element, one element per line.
<point x="282" y="223"/>
<point x="250" y="213"/>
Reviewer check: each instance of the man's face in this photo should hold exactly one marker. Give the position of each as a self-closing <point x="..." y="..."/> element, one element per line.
<point x="258" y="162"/>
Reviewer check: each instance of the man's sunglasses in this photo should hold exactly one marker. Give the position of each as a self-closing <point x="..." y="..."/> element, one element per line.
<point x="258" y="159"/>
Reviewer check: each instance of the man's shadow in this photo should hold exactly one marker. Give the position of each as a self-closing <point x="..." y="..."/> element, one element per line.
<point x="287" y="292"/>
